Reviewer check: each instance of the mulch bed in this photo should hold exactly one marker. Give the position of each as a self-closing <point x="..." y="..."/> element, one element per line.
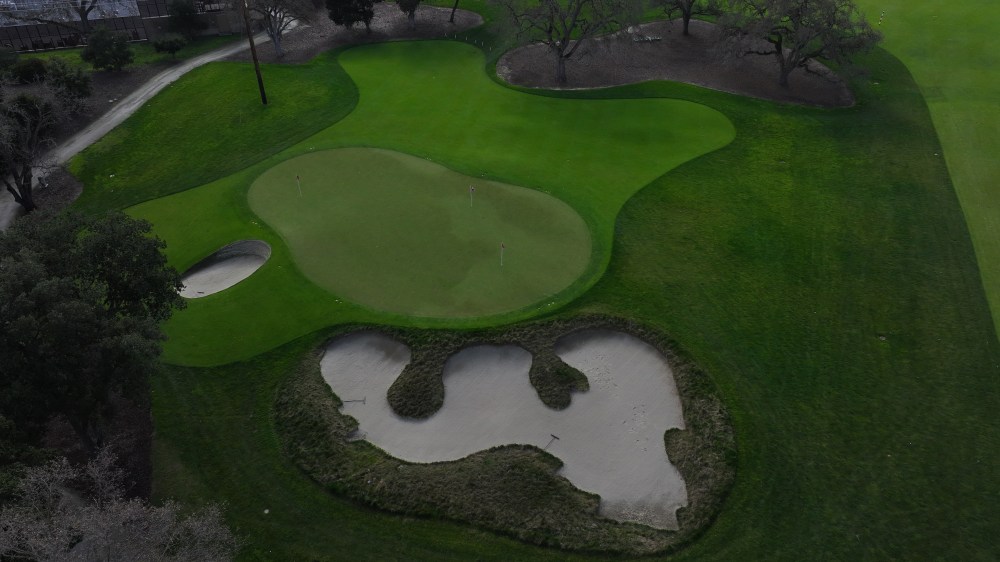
<point x="695" y="59"/>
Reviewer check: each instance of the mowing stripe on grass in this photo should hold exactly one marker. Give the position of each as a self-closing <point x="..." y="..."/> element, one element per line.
<point x="951" y="50"/>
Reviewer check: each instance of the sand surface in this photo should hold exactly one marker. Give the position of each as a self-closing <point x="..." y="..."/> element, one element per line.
<point x="225" y="268"/>
<point x="610" y="439"/>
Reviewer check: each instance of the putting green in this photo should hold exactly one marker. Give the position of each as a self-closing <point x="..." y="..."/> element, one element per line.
<point x="402" y="234"/>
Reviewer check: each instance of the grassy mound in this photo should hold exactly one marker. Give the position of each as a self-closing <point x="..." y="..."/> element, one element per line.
<point x="209" y="125"/>
<point x="418" y="392"/>
<point x="402" y="234"/>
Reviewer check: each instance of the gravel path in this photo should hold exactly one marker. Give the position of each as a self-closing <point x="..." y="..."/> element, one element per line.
<point x="620" y="59"/>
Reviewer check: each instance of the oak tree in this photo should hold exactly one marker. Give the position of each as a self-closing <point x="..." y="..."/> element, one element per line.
<point x="795" y="32"/>
<point x="564" y="25"/>
<point x="81" y="301"/>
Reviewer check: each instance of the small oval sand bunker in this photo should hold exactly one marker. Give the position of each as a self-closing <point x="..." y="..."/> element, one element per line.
<point x="610" y="439"/>
<point x="402" y="234"/>
<point x="225" y="268"/>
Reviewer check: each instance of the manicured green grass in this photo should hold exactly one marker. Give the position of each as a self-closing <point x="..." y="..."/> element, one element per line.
<point x="207" y="126"/>
<point x="951" y="50"/>
<point x="425" y="99"/>
<point x="405" y="235"/>
<point x="819" y="268"/>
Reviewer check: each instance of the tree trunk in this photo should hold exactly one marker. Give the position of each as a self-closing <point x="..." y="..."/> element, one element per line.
<point x="21" y="190"/>
<point x="561" y="70"/>
<point x="411" y="18"/>
<point x="276" y="40"/>
<point x="687" y="22"/>
<point x="82" y="428"/>
<point x="451" y="19"/>
<point x="786" y="69"/>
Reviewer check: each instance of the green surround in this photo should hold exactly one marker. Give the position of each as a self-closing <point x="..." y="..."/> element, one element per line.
<point x="426" y="99"/>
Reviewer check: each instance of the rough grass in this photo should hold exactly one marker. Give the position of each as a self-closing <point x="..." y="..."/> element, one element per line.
<point x="819" y="268"/>
<point x="418" y="392"/>
<point x="513" y="489"/>
<point x="209" y="125"/>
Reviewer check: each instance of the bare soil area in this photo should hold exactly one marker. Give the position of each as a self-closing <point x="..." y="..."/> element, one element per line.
<point x="627" y="59"/>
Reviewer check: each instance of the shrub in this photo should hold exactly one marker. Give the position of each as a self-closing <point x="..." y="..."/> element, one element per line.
<point x="27" y="71"/>
<point x="71" y="83"/>
<point x="107" y="51"/>
<point x="169" y="43"/>
<point x="8" y="57"/>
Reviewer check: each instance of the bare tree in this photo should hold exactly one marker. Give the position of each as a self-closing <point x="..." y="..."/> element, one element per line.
<point x="689" y="8"/>
<point x="795" y="32"/>
<point x="63" y="512"/>
<point x="279" y="15"/>
<point x="564" y="25"/>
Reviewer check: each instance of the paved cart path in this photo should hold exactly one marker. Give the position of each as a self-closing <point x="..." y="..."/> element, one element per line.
<point x="9" y="210"/>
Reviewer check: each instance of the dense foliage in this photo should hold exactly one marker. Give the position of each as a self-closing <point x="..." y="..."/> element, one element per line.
<point x="80" y="305"/>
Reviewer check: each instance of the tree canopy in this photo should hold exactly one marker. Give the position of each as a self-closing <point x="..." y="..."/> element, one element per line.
<point x="62" y="512"/>
<point x="80" y="305"/>
<point x="107" y="50"/>
<point x="795" y="32"/>
<point x="348" y="13"/>
<point x="28" y="124"/>
<point x="279" y="15"/>
<point x="689" y="8"/>
<point x="564" y="25"/>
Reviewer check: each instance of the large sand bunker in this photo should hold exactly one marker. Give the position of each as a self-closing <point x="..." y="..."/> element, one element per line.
<point x="225" y="268"/>
<point x="610" y="439"/>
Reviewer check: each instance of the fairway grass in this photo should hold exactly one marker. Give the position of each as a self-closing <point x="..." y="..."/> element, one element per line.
<point x="401" y="234"/>
<point x="819" y="268"/>
<point x="951" y="49"/>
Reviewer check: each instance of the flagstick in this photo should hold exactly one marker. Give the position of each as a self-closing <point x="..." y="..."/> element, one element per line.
<point x="502" y="247"/>
<point x="298" y="183"/>
<point x="472" y="190"/>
